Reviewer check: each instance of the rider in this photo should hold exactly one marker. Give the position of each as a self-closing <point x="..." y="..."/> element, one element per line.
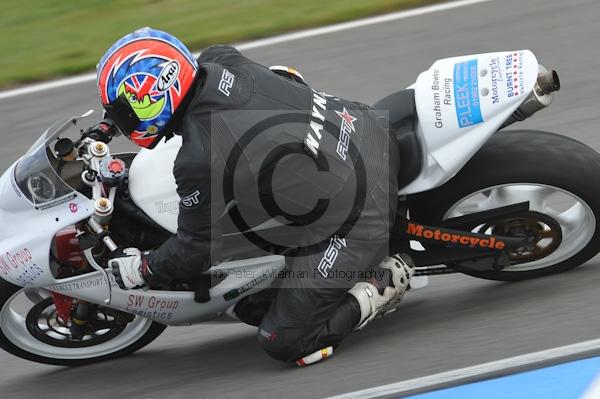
<point x="314" y="148"/>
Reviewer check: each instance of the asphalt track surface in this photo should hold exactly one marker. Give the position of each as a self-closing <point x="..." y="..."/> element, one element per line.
<point x="457" y="321"/>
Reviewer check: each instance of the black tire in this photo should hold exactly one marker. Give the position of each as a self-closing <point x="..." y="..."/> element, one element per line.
<point x="521" y="156"/>
<point x="7" y="290"/>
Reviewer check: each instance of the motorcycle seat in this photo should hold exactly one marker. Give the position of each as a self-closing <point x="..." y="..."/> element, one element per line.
<point x="401" y="112"/>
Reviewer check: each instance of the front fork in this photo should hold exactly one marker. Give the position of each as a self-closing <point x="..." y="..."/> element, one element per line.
<point x="75" y="312"/>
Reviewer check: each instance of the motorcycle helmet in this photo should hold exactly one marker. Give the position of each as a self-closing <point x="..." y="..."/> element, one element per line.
<point x="143" y="80"/>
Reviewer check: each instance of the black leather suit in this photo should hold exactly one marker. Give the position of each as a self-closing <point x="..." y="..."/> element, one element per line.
<point x="277" y="148"/>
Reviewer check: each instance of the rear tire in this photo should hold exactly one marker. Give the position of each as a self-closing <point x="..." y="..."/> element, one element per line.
<point x="519" y="158"/>
<point x="28" y="347"/>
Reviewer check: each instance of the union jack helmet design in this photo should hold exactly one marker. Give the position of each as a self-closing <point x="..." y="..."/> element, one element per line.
<point x="143" y="79"/>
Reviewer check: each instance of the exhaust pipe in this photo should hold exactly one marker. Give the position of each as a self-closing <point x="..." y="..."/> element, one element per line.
<point x="540" y="97"/>
<point x="547" y="81"/>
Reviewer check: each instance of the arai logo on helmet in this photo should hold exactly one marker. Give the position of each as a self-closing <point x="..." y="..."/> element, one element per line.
<point x="168" y="76"/>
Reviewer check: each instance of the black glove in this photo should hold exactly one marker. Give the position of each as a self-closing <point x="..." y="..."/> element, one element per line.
<point x="103" y="131"/>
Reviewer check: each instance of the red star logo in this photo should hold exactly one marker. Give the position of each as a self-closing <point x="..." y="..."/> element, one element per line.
<point x="347" y="118"/>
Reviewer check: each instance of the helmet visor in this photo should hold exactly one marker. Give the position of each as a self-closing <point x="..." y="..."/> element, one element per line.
<point x="121" y="112"/>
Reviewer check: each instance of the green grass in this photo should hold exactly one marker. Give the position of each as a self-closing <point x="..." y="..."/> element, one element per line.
<point x="42" y="39"/>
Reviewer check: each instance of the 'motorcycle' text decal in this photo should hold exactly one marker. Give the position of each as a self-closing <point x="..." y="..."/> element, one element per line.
<point x="421" y="231"/>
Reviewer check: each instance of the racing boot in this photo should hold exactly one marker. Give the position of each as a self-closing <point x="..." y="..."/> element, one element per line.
<point x="382" y="295"/>
<point x="315" y="357"/>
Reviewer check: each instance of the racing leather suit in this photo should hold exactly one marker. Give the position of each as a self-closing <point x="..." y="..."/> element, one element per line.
<point x="271" y="146"/>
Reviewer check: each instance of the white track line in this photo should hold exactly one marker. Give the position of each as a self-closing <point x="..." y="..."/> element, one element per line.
<point x="358" y="23"/>
<point x="265" y="42"/>
<point x="478" y="372"/>
<point x="593" y="391"/>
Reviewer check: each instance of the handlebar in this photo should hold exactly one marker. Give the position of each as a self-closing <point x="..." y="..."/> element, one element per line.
<point x="103" y="131"/>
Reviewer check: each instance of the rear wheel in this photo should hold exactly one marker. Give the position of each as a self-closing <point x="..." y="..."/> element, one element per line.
<point x="560" y="178"/>
<point x="30" y="329"/>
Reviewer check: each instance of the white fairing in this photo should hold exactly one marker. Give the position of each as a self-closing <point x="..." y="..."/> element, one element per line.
<point x="26" y="233"/>
<point x="152" y="184"/>
<point x="460" y="103"/>
<point x="241" y="278"/>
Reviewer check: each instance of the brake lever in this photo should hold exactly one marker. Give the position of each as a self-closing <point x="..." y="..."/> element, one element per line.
<point x="92" y="262"/>
<point x="112" y="247"/>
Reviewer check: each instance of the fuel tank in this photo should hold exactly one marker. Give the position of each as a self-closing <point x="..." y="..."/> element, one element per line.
<point x="152" y="184"/>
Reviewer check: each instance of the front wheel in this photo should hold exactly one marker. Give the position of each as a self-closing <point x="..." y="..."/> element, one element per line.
<point x="558" y="176"/>
<point x="30" y="329"/>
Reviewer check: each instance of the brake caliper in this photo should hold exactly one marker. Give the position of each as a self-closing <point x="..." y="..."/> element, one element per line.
<point x="64" y="306"/>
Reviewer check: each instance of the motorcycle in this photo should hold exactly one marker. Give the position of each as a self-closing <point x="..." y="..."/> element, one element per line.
<point x="474" y="198"/>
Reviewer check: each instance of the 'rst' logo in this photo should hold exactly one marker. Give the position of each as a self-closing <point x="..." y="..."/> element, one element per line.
<point x="418" y="230"/>
<point x="226" y="82"/>
<point x="346" y="128"/>
<point x="190" y="201"/>
<point x="336" y="244"/>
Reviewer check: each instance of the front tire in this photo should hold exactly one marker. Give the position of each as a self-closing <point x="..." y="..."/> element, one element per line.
<point x="17" y="336"/>
<point x="543" y="168"/>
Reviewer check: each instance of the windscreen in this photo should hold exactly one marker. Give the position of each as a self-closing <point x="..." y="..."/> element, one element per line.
<point x="37" y="178"/>
<point x="40" y="175"/>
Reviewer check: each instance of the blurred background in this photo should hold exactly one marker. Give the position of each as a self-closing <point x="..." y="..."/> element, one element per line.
<point x="44" y="39"/>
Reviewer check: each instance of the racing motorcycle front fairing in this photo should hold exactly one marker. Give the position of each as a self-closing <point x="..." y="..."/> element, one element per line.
<point x="35" y="203"/>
